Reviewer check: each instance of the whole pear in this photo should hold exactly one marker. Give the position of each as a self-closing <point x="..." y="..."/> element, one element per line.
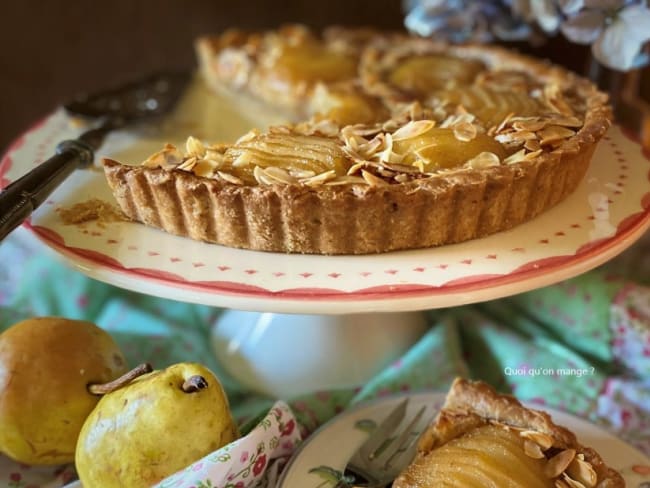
<point x="157" y="424"/>
<point x="46" y="365"/>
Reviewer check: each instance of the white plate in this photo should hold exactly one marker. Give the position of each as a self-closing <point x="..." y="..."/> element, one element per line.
<point x="332" y="445"/>
<point x="607" y="213"/>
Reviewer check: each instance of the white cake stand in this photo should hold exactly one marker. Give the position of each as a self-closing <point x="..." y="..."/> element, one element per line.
<point x="327" y="321"/>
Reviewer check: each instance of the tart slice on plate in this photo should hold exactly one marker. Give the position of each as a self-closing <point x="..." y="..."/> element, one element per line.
<point x="484" y="439"/>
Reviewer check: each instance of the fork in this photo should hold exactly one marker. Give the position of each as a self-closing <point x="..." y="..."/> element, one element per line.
<point x="387" y="451"/>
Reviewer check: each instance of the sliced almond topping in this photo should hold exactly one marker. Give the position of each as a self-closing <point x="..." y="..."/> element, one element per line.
<point x="413" y="129"/>
<point x="567" y="121"/>
<point x="583" y="472"/>
<point x="533" y="450"/>
<point x="532" y="145"/>
<point x="465" y="131"/>
<point x="371" y="179"/>
<point x="204" y="167"/>
<point x="529" y="124"/>
<point x="571" y="483"/>
<point x="249" y="136"/>
<point x="558" y="463"/>
<point x="280" y="175"/>
<point x="484" y="160"/>
<point x="319" y="179"/>
<point x="167" y="158"/>
<point x="516" y="157"/>
<point x="194" y="147"/>
<point x="230" y="178"/>
<point x="544" y="441"/>
<point x="554" y="133"/>
<point x="188" y="164"/>
<point x="532" y="155"/>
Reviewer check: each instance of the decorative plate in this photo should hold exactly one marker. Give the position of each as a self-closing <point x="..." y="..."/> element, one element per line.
<point x="608" y="212"/>
<point x="317" y="465"/>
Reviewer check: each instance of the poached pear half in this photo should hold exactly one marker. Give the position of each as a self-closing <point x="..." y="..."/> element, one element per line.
<point x="157" y="424"/>
<point x="46" y="365"/>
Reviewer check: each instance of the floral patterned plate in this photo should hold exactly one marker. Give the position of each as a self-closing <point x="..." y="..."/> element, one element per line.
<point x="606" y="214"/>
<point x="320" y="460"/>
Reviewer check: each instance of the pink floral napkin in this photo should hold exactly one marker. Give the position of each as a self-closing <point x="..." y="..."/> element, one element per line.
<point x="247" y="461"/>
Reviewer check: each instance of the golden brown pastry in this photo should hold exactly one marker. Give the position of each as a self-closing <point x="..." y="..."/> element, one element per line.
<point x="404" y="143"/>
<point x="483" y="439"/>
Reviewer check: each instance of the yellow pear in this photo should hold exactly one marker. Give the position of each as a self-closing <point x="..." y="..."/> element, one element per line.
<point x="46" y="365"/>
<point x="157" y="424"/>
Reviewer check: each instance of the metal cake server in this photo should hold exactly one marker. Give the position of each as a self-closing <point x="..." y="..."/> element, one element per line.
<point x="110" y="110"/>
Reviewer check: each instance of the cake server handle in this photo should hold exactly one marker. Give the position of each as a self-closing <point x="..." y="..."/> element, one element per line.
<point x="19" y="199"/>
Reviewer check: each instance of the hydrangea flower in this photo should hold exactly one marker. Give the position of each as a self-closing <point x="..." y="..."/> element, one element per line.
<point x="617" y="30"/>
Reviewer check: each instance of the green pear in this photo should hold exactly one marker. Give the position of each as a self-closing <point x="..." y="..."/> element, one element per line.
<point x="157" y="424"/>
<point x="46" y="365"/>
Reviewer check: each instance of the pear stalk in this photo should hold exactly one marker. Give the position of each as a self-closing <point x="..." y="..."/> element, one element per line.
<point x="194" y="383"/>
<point x="105" y="388"/>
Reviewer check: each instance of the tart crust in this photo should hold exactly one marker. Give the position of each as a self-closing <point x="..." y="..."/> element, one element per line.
<point x="358" y="218"/>
<point x="472" y="404"/>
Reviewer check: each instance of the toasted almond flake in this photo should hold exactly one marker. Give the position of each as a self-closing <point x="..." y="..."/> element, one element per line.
<point x="532" y="124"/>
<point x="543" y="440"/>
<point x="532" y="155"/>
<point x="400" y="168"/>
<point x="167" y="158"/>
<point x="371" y="179"/>
<point x="465" y="131"/>
<point x="485" y="159"/>
<point x="504" y="122"/>
<point x="516" y="157"/>
<point x="249" y="136"/>
<point x="244" y="159"/>
<point x="413" y="129"/>
<point x="402" y="178"/>
<point x="261" y="176"/>
<point x="213" y="155"/>
<point x="559" y="463"/>
<point x="554" y="99"/>
<point x="571" y="483"/>
<point x="532" y="145"/>
<point x="230" y="178"/>
<point x="356" y="167"/>
<point x="194" y="147"/>
<point x="319" y="179"/>
<point x="554" y="133"/>
<point x="280" y="175"/>
<point x="583" y="472"/>
<point x="188" y="164"/>
<point x="204" y="167"/>
<point x="301" y="173"/>
<point x="370" y="148"/>
<point x="533" y="450"/>
<point x="567" y="121"/>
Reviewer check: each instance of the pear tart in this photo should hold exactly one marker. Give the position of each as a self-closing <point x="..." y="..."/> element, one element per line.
<point x="404" y="143"/>
<point x="483" y="439"/>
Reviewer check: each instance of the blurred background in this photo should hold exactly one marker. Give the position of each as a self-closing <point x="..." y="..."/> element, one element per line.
<point x="52" y="50"/>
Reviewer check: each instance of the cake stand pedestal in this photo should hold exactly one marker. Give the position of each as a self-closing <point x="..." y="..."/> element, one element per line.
<point x="284" y="355"/>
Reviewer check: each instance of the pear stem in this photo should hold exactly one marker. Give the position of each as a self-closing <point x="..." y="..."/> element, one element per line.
<point x="194" y="383"/>
<point x="105" y="388"/>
